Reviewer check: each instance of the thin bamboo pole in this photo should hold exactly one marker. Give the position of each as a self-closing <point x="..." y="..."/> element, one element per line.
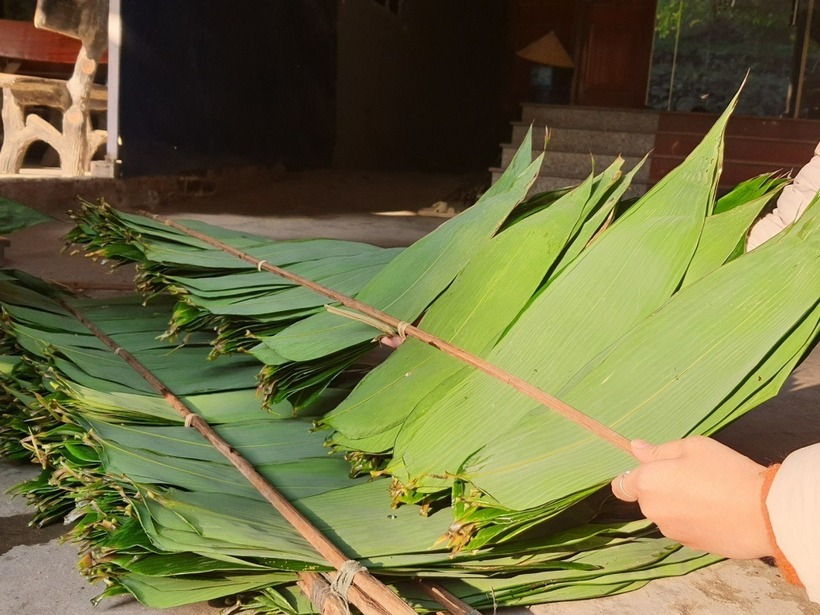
<point x="576" y="416"/>
<point x="446" y="599"/>
<point x="375" y="598"/>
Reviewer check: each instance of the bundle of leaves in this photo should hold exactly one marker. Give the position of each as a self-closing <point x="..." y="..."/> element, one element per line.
<point x="661" y="327"/>
<point x="649" y="318"/>
<point x="161" y="515"/>
<point x="217" y="291"/>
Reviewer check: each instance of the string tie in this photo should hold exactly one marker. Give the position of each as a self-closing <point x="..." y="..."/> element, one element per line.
<point x="359" y="317"/>
<point x="189" y="418"/>
<point x="319" y="595"/>
<point x="344" y="579"/>
<point x="259" y="264"/>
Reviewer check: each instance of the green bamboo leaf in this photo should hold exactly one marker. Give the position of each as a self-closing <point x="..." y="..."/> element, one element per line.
<point x="750" y="190"/>
<point x="721" y="235"/>
<point x="766" y="381"/>
<point x="15" y="216"/>
<point x="163" y="592"/>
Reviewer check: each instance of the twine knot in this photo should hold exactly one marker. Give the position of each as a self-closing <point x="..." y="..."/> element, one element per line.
<point x="339" y="586"/>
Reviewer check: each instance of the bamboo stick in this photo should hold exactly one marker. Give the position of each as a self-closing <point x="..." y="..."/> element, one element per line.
<point x="576" y="416"/>
<point x="446" y="599"/>
<point x="375" y="598"/>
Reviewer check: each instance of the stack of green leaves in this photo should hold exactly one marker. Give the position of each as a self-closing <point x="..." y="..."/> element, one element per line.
<point x="219" y="291"/>
<point x="162" y="516"/>
<point x="619" y="319"/>
<point x="659" y="328"/>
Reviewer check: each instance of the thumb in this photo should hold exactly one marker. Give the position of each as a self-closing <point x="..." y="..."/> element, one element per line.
<point x="644" y="451"/>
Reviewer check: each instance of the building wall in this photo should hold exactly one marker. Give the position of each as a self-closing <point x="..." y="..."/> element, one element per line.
<point x="421" y="89"/>
<point x="209" y="84"/>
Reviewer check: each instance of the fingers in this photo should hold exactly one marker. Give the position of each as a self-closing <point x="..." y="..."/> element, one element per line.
<point x="393" y="341"/>
<point x="689" y="446"/>
<point x="626" y="486"/>
<point x="645" y="452"/>
<point x="623" y="487"/>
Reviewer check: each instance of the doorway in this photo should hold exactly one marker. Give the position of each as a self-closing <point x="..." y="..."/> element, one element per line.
<point x="615" y="53"/>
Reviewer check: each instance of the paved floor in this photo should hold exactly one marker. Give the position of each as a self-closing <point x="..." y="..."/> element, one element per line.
<point x="37" y="572"/>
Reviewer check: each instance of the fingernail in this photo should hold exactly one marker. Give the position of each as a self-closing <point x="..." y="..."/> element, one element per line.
<point x="640" y="444"/>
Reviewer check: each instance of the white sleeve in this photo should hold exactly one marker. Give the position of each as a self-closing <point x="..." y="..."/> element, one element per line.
<point x="793" y="201"/>
<point x="793" y="503"/>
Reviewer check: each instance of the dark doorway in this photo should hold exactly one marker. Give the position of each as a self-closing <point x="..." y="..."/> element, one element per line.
<point x="615" y="53"/>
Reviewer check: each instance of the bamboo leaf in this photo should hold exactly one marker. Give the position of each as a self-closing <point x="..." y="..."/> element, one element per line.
<point x="15" y="216"/>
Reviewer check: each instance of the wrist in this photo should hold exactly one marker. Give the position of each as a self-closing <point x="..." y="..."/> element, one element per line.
<point x="789" y="573"/>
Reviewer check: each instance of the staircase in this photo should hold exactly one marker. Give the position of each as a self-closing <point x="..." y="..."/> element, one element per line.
<point x="753" y="145"/>
<point x="581" y="136"/>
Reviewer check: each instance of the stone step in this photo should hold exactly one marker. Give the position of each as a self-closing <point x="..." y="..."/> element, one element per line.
<point x="577" y="140"/>
<point x="590" y="118"/>
<point x="546" y="183"/>
<point x="577" y="166"/>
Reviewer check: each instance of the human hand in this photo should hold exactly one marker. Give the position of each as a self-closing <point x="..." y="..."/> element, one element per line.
<point x="700" y="493"/>
<point x="392" y="341"/>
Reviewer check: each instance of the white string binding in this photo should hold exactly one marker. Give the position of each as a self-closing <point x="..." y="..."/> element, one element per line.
<point x="189" y="418"/>
<point x="344" y="579"/>
<point x="319" y="594"/>
<point x="259" y="264"/>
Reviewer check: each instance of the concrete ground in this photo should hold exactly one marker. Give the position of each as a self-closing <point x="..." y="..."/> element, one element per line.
<point x="38" y="573"/>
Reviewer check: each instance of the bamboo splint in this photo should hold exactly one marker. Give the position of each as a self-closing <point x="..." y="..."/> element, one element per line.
<point x="365" y="591"/>
<point x="407" y="330"/>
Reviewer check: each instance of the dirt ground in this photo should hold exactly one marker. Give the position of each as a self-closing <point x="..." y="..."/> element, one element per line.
<point x="37" y="572"/>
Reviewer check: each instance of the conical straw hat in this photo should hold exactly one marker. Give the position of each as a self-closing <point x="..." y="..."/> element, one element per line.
<point x="547" y="50"/>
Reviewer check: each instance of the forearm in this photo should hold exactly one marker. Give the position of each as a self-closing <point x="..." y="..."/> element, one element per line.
<point x="791" y="204"/>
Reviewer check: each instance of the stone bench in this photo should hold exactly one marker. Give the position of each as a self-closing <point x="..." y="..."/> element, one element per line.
<point x="73" y="99"/>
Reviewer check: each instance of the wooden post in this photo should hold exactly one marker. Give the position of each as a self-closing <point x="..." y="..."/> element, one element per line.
<point x="75" y="157"/>
<point x="14" y="141"/>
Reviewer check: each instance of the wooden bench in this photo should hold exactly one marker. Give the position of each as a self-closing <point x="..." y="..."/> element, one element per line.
<point x="74" y="98"/>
